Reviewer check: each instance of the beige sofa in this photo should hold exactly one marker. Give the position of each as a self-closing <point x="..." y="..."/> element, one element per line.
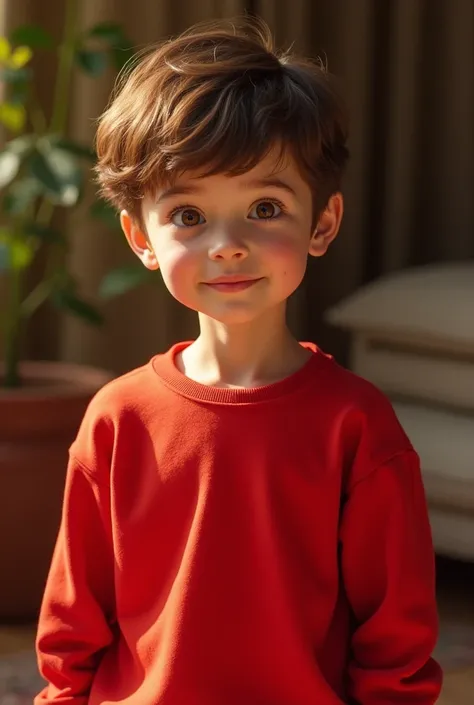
<point x="413" y="336"/>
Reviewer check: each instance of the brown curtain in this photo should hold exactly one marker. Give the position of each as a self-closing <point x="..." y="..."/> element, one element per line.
<point x="407" y="70"/>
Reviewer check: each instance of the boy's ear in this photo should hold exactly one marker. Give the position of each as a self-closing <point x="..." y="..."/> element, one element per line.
<point x="327" y="227"/>
<point x="138" y="241"/>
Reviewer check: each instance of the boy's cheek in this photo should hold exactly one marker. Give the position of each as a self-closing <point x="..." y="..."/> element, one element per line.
<point x="288" y="261"/>
<point x="178" y="268"/>
<point x="286" y="253"/>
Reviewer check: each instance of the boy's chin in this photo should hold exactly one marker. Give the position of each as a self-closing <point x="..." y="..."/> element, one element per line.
<point x="238" y="315"/>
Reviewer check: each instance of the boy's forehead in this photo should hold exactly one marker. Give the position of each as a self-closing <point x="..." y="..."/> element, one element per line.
<point x="275" y="168"/>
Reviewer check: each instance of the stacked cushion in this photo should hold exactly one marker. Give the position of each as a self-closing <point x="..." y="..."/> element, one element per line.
<point x="413" y="336"/>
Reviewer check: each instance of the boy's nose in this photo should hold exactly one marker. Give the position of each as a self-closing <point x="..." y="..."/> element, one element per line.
<point x="228" y="247"/>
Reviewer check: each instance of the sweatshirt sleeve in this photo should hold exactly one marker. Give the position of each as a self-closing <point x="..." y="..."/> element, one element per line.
<point x="78" y="605"/>
<point x="388" y="571"/>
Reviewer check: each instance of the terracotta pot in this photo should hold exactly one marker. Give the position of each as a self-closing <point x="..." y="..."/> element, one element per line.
<point x="38" y="422"/>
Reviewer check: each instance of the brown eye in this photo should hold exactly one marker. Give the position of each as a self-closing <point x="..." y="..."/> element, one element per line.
<point x="190" y="217"/>
<point x="186" y="217"/>
<point x="265" y="210"/>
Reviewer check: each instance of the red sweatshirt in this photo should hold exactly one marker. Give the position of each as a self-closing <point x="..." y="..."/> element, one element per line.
<point x="264" y="546"/>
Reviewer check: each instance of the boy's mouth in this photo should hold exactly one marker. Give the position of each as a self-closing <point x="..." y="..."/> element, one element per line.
<point x="232" y="282"/>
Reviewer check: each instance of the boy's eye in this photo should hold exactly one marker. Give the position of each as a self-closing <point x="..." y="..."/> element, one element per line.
<point x="265" y="210"/>
<point x="186" y="217"/>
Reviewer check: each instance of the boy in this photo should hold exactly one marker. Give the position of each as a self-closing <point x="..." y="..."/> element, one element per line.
<point x="244" y="520"/>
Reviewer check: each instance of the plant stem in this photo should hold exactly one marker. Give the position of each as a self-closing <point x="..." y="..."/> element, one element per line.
<point x="19" y="311"/>
<point x="58" y="125"/>
<point x="65" y="66"/>
<point x="45" y="212"/>
<point x="38" y="119"/>
<point x="37" y="116"/>
<point x="13" y="331"/>
<point x="36" y="297"/>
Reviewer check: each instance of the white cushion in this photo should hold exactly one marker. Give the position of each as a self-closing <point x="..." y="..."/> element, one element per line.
<point x="407" y="373"/>
<point x="427" y="305"/>
<point x="444" y="441"/>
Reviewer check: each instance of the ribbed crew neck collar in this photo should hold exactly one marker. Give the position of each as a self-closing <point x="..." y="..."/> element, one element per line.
<point x="165" y="367"/>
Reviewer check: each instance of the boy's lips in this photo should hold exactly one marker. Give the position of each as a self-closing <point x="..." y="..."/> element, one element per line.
<point x="232" y="282"/>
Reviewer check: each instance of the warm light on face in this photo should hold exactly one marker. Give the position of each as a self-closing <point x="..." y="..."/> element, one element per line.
<point x="254" y="228"/>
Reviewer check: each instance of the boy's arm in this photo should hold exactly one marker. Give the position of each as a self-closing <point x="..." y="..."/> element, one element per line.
<point x="388" y="572"/>
<point x="78" y="605"/>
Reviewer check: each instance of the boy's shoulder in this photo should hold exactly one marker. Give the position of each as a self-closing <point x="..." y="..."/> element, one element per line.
<point x="364" y="414"/>
<point x="128" y="397"/>
<point x="346" y="388"/>
<point x="123" y="389"/>
<point x="127" y="392"/>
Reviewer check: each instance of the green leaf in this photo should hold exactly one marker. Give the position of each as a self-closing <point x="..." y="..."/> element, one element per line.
<point x="103" y="211"/>
<point x="68" y="174"/>
<point x="9" y="166"/>
<point x="21" y="145"/>
<point x="13" y="116"/>
<point x="121" y="56"/>
<point x="42" y="172"/>
<point x="5" y="49"/>
<point x="92" y="62"/>
<point x="21" y="254"/>
<point x="14" y="76"/>
<point x="4" y="257"/>
<point x="67" y="300"/>
<point x="18" y="81"/>
<point x="75" y="148"/>
<point x="19" y="95"/>
<point x="21" y="56"/>
<point x="5" y="241"/>
<point x="124" y="279"/>
<point x="11" y="158"/>
<point x="110" y="32"/>
<point x="58" y="173"/>
<point x="16" y="253"/>
<point x="32" y="36"/>
<point x="20" y="196"/>
<point x="6" y="233"/>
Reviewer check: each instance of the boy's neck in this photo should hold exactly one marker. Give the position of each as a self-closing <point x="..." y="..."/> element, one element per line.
<point x="253" y="354"/>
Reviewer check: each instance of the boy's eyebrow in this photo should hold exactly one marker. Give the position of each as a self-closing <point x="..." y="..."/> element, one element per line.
<point x="176" y="191"/>
<point x="183" y="190"/>
<point x="270" y="181"/>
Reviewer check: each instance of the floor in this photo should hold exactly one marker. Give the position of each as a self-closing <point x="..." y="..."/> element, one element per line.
<point x="456" y="601"/>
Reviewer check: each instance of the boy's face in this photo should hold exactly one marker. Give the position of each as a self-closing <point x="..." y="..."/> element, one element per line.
<point x="233" y="247"/>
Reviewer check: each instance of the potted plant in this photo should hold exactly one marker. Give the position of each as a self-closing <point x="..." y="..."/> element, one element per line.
<point x="42" y="173"/>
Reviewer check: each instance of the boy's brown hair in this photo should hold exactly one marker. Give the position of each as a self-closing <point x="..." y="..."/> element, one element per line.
<point x="216" y="99"/>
